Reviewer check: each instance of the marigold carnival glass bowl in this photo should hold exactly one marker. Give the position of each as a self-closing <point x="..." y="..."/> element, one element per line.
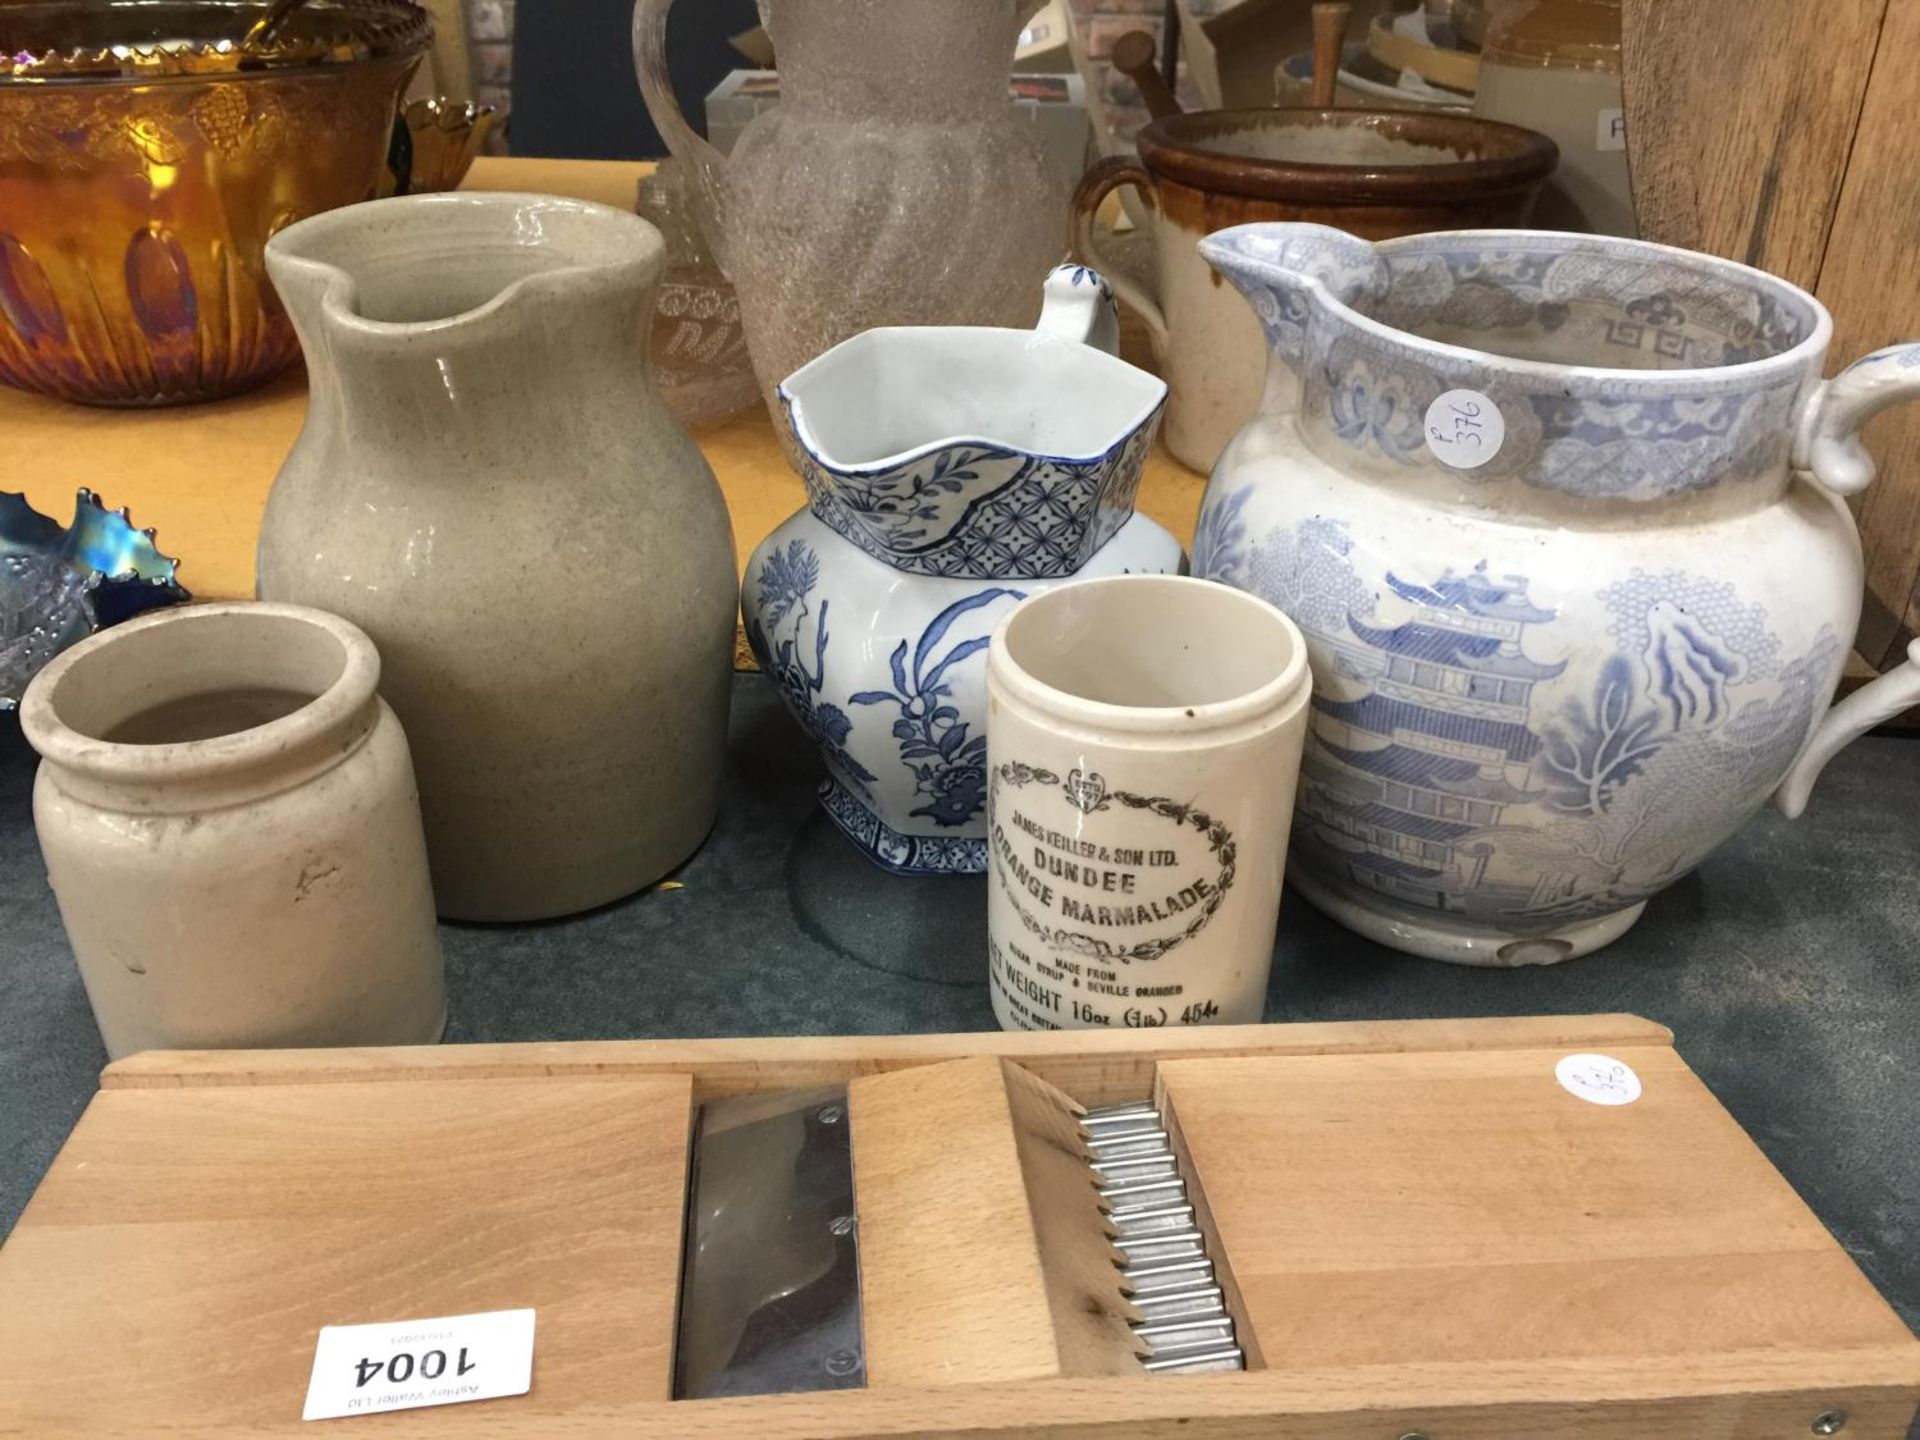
<point x="146" y="155"/>
<point x="443" y="138"/>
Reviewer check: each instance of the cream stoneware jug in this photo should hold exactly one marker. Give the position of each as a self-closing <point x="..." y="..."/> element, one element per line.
<point x="1561" y="517"/>
<point x="951" y="471"/>
<point x="229" y="822"/>
<point x="489" y="485"/>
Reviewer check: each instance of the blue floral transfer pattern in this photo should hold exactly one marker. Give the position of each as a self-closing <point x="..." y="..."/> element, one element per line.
<point x="979" y="511"/>
<point x="892" y="850"/>
<point x="787" y="579"/>
<point x="1087" y="275"/>
<point x="926" y="816"/>
<point x="947" y="755"/>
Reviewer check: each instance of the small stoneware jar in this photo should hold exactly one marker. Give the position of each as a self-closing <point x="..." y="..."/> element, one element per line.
<point x="229" y="820"/>
<point x="1144" y="735"/>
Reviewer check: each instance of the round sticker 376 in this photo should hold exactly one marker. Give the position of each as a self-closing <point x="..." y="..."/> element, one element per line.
<point x="1464" y="429"/>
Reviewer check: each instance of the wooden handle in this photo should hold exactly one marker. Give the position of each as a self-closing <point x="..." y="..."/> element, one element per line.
<point x="1329" y="39"/>
<point x="1132" y="56"/>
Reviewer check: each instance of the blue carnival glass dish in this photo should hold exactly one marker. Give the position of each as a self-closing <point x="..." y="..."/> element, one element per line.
<point x="59" y="584"/>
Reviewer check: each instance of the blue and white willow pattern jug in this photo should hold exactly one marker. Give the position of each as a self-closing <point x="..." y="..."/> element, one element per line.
<point x="1561" y="518"/>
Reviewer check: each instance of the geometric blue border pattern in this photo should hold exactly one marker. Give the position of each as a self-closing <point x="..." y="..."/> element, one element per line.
<point x="890" y="850"/>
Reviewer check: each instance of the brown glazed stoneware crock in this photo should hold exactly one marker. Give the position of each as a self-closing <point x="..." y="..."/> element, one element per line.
<point x="1375" y="173"/>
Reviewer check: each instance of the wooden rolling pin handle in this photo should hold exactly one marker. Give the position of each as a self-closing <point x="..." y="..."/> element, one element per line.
<point x="1132" y="56"/>
<point x="1329" y="39"/>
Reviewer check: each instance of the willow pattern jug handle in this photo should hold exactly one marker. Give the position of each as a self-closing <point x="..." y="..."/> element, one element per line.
<point x="1827" y="445"/>
<point x="1827" y="435"/>
<point x="701" y="157"/>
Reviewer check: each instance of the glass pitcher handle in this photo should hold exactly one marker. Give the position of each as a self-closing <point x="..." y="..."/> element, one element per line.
<point x="702" y="159"/>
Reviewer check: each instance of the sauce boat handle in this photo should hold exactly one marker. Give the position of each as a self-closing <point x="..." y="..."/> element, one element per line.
<point x="1872" y="704"/>
<point x="1827" y="432"/>
<point x="1077" y="304"/>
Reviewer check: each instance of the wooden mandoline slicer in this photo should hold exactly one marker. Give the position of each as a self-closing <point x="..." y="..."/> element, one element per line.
<point x="1369" y="1232"/>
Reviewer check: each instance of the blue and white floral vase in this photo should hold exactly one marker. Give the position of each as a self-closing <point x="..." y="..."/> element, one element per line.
<point x="951" y="471"/>
<point x="1561" y="519"/>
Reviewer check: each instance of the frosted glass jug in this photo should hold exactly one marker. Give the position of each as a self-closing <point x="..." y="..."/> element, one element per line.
<point x="894" y="184"/>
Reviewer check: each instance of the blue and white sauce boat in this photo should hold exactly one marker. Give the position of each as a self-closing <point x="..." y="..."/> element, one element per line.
<point x="951" y="471"/>
<point x="1562" y="519"/>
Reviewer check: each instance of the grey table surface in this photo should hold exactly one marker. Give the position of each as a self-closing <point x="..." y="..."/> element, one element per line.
<point x="1788" y="967"/>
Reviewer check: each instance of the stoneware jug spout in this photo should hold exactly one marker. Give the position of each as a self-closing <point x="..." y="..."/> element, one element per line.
<point x="412" y="304"/>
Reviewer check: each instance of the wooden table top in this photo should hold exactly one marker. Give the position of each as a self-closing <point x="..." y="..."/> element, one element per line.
<point x="199" y="474"/>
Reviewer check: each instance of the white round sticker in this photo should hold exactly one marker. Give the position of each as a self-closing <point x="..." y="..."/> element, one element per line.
<point x="1464" y="429"/>
<point x="1600" y="1079"/>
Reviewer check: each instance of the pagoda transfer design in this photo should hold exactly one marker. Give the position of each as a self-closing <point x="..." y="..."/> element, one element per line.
<point x="1470" y="757"/>
<point x="1404" y="779"/>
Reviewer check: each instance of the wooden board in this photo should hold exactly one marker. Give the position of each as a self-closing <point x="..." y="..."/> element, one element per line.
<point x="1434" y="1209"/>
<point x="1871" y="282"/>
<point x="1095" y="1067"/>
<point x="1743" y="156"/>
<point x="983" y="1253"/>
<point x="951" y="1288"/>
<point x="184" y="1250"/>
<point x="1846" y="1359"/>
<point x="1090" y="1313"/>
